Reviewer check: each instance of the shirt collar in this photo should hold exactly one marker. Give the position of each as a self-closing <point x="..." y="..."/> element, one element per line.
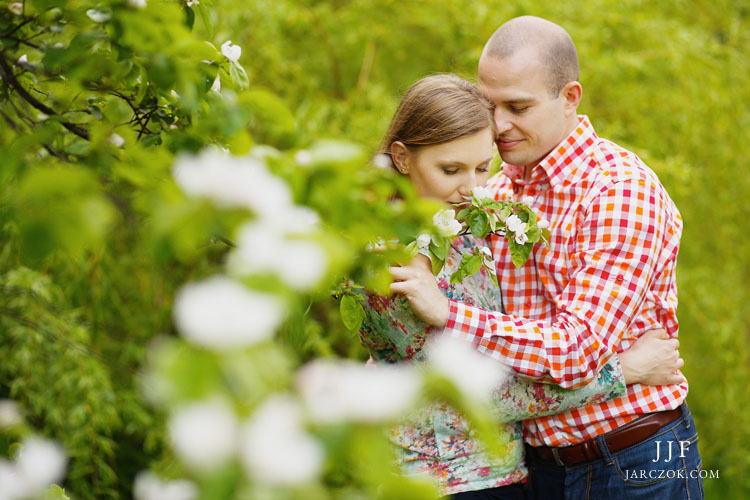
<point x="564" y="160"/>
<point x="561" y="162"/>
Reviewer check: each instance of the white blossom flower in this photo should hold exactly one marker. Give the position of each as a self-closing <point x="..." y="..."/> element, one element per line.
<point x="231" y="52"/>
<point x="446" y="223"/>
<point x="231" y="181"/>
<point x="216" y="86"/>
<point x="275" y="448"/>
<point x="13" y="484"/>
<point x="40" y="462"/>
<point x="542" y="223"/>
<point x="148" y="486"/>
<point x="303" y="157"/>
<point x="23" y="59"/>
<point x="174" y="94"/>
<point x="137" y="4"/>
<point x="474" y="374"/>
<point x="116" y="140"/>
<point x="42" y="117"/>
<point x="190" y="3"/>
<point x="515" y="224"/>
<point x="521" y="238"/>
<point x="204" y="434"/>
<point x="265" y="247"/>
<point x="382" y="160"/>
<point x="486" y="252"/>
<point x="98" y="15"/>
<point x="423" y="240"/>
<point x="219" y="313"/>
<point x="335" y="391"/>
<point x="482" y="192"/>
<point x="527" y="200"/>
<point x="16" y="8"/>
<point x="10" y="414"/>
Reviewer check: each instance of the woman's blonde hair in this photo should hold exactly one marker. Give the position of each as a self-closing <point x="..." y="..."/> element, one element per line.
<point x="438" y="109"/>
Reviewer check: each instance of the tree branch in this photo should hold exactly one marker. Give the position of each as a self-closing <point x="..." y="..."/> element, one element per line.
<point x="10" y="77"/>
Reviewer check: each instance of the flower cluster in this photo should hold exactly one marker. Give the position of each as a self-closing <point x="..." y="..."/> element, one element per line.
<point x="220" y="313"/>
<point x="516" y="221"/>
<point x="38" y="464"/>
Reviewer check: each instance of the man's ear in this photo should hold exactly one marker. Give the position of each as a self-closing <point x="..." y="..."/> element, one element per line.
<point x="572" y="93"/>
<point x="400" y="156"/>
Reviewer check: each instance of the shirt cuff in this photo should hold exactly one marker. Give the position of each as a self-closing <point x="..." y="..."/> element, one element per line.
<point x="465" y="322"/>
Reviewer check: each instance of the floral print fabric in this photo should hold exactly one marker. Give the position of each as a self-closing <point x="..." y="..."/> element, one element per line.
<point x="437" y="439"/>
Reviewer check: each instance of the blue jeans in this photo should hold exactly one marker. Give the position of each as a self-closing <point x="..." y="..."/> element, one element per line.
<point x="659" y="467"/>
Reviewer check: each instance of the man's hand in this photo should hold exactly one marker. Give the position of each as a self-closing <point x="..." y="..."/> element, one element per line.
<point x="654" y="359"/>
<point x="418" y="284"/>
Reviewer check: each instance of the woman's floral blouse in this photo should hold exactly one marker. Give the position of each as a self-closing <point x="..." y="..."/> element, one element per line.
<point x="437" y="439"/>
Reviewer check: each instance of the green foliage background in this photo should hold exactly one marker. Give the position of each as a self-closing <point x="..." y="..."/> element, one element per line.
<point x="94" y="243"/>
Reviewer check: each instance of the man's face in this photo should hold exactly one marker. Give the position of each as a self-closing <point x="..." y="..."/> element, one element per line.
<point x="530" y="120"/>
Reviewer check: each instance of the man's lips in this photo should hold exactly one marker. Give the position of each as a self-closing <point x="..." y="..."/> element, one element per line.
<point x="507" y="143"/>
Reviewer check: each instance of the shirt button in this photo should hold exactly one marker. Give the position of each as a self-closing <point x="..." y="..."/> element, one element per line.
<point x="619" y="278"/>
<point x="527" y="303"/>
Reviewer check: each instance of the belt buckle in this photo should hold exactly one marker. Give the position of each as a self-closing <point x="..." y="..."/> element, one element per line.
<point x="556" y="454"/>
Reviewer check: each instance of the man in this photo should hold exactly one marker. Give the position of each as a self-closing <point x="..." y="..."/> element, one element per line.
<point x="607" y="276"/>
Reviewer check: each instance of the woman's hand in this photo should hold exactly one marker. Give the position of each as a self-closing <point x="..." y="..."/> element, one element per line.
<point x="417" y="283"/>
<point x="654" y="359"/>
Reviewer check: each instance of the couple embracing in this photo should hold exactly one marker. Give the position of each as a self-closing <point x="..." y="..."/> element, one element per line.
<point x="588" y="325"/>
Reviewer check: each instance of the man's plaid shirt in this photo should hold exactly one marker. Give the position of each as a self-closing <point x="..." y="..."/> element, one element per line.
<point x="607" y="276"/>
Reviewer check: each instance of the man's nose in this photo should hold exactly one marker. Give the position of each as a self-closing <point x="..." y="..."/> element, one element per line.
<point x="502" y="121"/>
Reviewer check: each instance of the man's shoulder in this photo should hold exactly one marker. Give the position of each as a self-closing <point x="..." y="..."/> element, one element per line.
<point x="611" y="164"/>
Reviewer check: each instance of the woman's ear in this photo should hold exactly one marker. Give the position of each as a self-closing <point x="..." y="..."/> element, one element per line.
<point x="400" y="157"/>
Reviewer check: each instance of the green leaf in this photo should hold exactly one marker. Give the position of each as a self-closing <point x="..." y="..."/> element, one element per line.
<point x="189" y="17"/>
<point x="440" y="246"/>
<point x="238" y="75"/>
<point x="463" y="213"/>
<point x="352" y="312"/>
<point x="519" y="253"/>
<point x="470" y="264"/>
<point x="479" y="224"/>
<point x="437" y="264"/>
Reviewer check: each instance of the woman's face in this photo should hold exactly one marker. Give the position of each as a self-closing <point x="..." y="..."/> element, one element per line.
<point x="450" y="171"/>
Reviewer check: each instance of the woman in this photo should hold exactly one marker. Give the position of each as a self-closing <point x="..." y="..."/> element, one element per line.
<point x="441" y="138"/>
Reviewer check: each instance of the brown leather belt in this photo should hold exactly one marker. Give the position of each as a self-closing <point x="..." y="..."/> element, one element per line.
<point x="617" y="439"/>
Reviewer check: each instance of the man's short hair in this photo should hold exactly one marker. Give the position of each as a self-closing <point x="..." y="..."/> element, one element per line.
<point x="555" y="47"/>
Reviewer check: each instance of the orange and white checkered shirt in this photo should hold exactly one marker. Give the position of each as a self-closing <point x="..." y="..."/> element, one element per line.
<point x="607" y="276"/>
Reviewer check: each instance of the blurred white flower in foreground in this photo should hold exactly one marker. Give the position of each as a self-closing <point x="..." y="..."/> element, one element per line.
<point x="382" y="160"/>
<point x="219" y="313"/>
<point x="336" y="391"/>
<point x="216" y="86"/>
<point x="12" y="484"/>
<point x="474" y="374"/>
<point x="232" y="181"/>
<point x="261" y="247"/>
<point x="10" y="413"/>
<point x="148" y="486"/>
<point x="204" y="434"/>
<point x="39" y="463"/>
<point x="446" y="223"/>
<point x="482" y="192"/>
<point x="116" y="140"/>
<point x="99" y="15"/>
<point x="423" y="240"/>
<point x="275" y="448"/>
<point x="542" y="223"/>
<point x="527" y="200"/>
<point x="231" y="52"/>
<point x="303" y="157"/>
<point x="137" y="4"/>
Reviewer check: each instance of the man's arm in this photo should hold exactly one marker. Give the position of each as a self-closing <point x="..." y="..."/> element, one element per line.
<point x="611" y="270"/>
